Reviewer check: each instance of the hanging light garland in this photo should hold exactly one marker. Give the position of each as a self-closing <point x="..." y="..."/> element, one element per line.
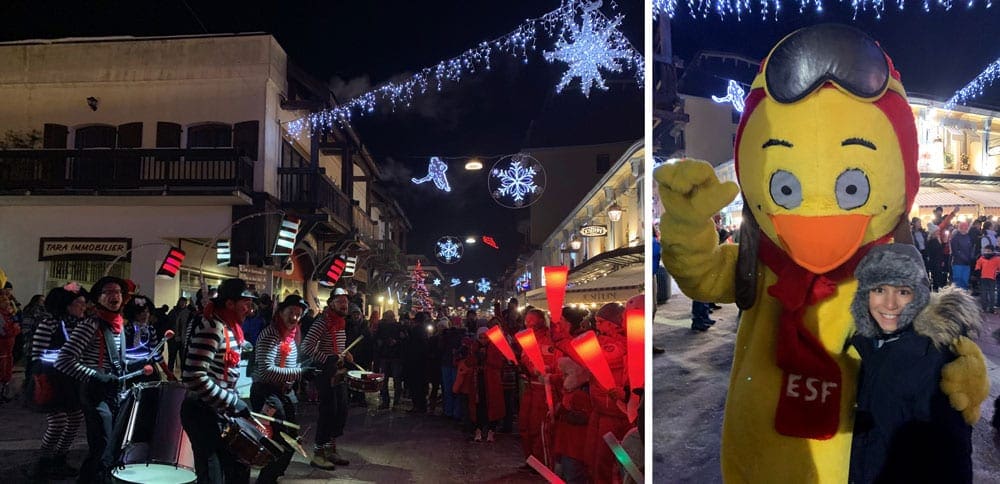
<point x="741" y="8"/>
<point x="976" y="87"/>
<point x="609" y="48"/>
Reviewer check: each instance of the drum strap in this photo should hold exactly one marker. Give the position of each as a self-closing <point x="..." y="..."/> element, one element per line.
<point x="117" y="358"/>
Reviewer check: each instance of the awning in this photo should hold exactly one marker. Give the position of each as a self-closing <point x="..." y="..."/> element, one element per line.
<point x="987" y="196"/>
<point x="617" y="286"/>
<point x="938" y="196"/>
<point x="603" y="264"/>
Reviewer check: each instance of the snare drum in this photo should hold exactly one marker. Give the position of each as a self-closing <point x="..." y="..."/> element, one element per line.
<point x="153" y="446"/>
<point x="365" y="381"/>
<point x="248" y="443"/>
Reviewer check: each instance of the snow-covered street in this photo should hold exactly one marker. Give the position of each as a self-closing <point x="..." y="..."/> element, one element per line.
<point x="690" y="390"/>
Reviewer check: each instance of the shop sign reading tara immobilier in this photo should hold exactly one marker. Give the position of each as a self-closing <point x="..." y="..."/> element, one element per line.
<point x="83" y="248"/>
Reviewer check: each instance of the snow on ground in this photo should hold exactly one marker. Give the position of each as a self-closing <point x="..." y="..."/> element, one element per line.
<point x="690" y="382"/>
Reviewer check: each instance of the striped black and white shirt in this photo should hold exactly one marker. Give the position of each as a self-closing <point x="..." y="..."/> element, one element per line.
<point x="204" y="368"/>
<point x="51" y="334"/>
<point x="319" y="344"/>
<point x="268" y="355"/>
<point x="80" y="357"/>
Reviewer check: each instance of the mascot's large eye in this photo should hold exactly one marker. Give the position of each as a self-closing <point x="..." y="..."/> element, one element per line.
<point x="786" y="189"/>
<point x="852" y="189"/>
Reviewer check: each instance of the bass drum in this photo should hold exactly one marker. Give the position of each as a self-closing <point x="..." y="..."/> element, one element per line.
<point x="153" y="446"/>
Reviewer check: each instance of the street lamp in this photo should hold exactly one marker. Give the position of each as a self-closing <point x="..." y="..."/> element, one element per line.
<point x="474" y="164"/>
<point x="615" y="212"/>
<point x="575" y="243"/>
<point x="470" y="240"/>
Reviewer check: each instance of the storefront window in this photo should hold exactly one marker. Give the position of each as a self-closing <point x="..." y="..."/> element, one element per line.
<point x="59" y="272"/>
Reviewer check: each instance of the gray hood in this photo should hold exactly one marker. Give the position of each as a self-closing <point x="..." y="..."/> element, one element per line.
<point x="895" y="265"/>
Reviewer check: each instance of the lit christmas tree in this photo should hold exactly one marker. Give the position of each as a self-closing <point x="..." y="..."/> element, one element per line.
<point x="421" y="299"/>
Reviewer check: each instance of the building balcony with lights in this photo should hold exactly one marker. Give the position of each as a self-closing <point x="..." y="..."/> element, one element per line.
<point x="601" y="240"/>
<point x="147" y="143"/>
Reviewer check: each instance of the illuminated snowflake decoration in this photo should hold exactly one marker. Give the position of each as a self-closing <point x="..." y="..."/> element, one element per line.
<point x="590" y="48"/>
<point x="517" y="181"/>
<point x="437" y="282"/>
<point x="435" y="172"/>
<point x="735" y="95"/>
<point x="449" y="250"/>
<point x="455" y="281"/>
<point x="483" y="285"/>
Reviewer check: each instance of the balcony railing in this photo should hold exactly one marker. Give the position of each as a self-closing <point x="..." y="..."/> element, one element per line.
<point x="309" y="189"/>
<point x="68" y="171"/>
<point x="364" y="224"/>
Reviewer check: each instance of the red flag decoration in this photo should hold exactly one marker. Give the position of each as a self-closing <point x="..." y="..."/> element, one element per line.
<point x="335" y="271"/>
<point x="490" y="242"/>
<point x="172" y="263"/>
<point x="222" y="253"/>
<point x="287" y="233"/>
<point x="589" y="350"/>
<point x="496" y="336"/>
<point x="526" y="338"/>
<point x="635" y="331"/>
<point x="555" y="289"/>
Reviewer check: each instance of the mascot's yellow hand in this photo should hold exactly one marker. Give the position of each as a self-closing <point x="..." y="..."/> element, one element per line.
<point x="691" y="192"/>
<point x="964" y="380"/>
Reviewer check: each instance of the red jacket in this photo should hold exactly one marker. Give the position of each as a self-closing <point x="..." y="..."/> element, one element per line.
<point x="494" y="361"/>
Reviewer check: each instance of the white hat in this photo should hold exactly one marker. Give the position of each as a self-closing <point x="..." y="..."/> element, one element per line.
<point x="339" y="292"/>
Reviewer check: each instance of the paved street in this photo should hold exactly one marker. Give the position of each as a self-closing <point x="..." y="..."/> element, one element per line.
<point x="391" y="446"/>
<point x="691" y="380"/>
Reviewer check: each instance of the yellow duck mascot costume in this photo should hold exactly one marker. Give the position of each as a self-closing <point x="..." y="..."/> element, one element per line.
<point x="826" y="155"/>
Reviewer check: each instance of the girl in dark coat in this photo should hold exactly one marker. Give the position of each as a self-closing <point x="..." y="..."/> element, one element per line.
<point x="905" y="430"/>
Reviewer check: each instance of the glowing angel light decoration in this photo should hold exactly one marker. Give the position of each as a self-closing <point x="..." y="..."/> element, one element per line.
<point x="435" y="172"/>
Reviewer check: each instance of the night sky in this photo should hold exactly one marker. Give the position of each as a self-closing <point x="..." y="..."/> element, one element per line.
<point x="359" y="44"/>
<point x="936" y="53"/>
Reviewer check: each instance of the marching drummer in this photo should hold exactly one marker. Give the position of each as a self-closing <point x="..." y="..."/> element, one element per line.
<point x="210" y="372"/>
<point x="325" y="344"/>
<point x="140" y="336"/>
<point x="94" y="356"/>
<point x="277" y="370"/>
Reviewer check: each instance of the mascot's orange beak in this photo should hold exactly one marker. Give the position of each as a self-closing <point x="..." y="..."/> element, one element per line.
<point x="821" y="244"/>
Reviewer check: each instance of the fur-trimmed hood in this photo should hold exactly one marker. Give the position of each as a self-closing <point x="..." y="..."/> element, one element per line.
<point x="951" y="313"/>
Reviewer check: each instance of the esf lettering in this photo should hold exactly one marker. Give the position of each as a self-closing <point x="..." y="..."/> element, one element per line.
<point x="808" y="389"/>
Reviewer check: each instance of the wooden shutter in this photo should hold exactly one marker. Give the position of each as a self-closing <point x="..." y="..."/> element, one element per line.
<point x="55" y="136"/>
<point x="168" y="135"/>
<point x="245" y="138"/>
<point x="130" y="135"/>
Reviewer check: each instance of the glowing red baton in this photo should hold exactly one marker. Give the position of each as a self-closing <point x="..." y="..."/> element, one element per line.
<point x="545" y="472"/>
<point x="635" y="329"/>
<point x="555" y="289"/>
<point x="496" y="336"/>
<point x="589" y="351"/>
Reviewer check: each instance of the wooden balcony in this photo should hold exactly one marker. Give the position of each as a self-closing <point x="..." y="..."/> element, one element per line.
<point x="308" y="190"/>
<point x="364" y="224"/>
<point x="126" y="172"/>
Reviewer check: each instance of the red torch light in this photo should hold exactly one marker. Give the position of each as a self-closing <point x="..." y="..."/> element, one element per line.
<point x="555" y="289"/>
<point x="496" y="336"/>
<point x="526" y="338"/>
<point x="589" y="350"/>
<point x="635" y="331"/>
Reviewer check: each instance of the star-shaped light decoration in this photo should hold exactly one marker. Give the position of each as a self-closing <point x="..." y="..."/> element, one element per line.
<point x="437" y="282"/>
<point x="590" y="47"/>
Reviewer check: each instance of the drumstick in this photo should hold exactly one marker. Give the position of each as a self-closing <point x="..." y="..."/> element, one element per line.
<point x="283" y="423"/>
<point x="360" y="367"/>
<point x="294" y="444"/>
<point x="356" y="341"/>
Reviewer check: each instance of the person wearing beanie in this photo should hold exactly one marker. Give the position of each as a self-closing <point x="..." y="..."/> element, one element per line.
<point x="905" y="430"/>
<point x="210" y="372"/>
<point x="326" y="344"/>
<point x="486" y="402"/>
<point x="606" y="416"/>
<point x="276" y="372"/>
<point x="65" y="307"/>
<point x="532" y="418"/>
<point x="95" y="356"/>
